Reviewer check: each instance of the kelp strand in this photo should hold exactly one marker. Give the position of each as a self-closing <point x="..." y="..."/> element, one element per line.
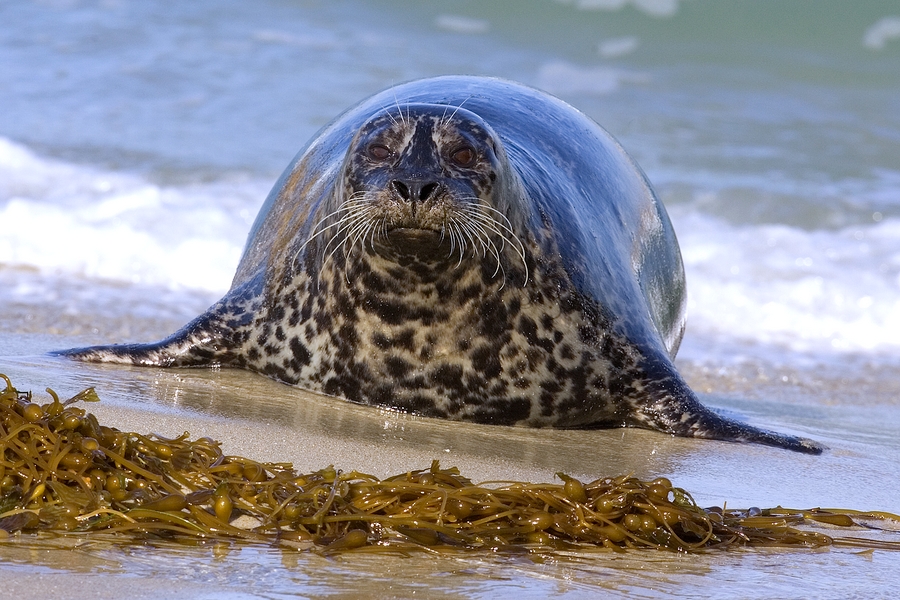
<point x="62" y="471"/>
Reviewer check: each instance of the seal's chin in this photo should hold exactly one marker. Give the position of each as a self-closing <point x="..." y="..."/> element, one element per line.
<point x="425" y="244"/>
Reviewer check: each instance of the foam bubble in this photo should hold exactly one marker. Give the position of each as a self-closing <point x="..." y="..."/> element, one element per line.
<point x="459" y="24"/>
<point x="565" y="78"/>
<point x="884" y="30"/>
<point x="654" y="8"/>
<point x="320" y="40"/>
<point x="620" y="46"/>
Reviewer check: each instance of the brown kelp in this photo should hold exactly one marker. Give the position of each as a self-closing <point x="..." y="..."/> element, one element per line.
<point x="62" y="471"/>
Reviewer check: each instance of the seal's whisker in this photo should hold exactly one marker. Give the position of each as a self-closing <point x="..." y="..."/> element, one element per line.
<point x="467" y="232"/>
<point x="349" y="220"/>
<point x="349" y="244"/>
<point x="347" y="224"/>
<point x="480" y="222"/>
<point x="479" y="234"/>
<point x="448" y="231"/>
<point x="357" y="235"/>
<point x="382" y="228"/>
<point x="485" y="237"/>
<point x="446" y="120"/>
<point x="339" y="223"/>
<point x="499" y="230"/>
<point x="461" y="244"/>
<point x="370" y="236"/>
<point x="479" y="212"/>
<point x="460" y="236"/>
<point x="399" y="108"/>
<point x="504" y="231"/>
<point x="360" y="237"/>
<point x="352" y="235"/>
<point x="467" y="238"/>
<point x="387" y="111"/>
<point x="484" y="228"/>
<point x="354" y="202"/>
<point x="321" y="229"/>
<point x="451" y="235"/>
<point x="377" y="229"/>
<point x="476" y="236"/>
<point x="406" y="120"/>
<point x="486" y="211"/>
<point x="456" y="238"/>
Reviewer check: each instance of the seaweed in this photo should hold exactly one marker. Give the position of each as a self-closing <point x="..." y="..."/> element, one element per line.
<point x="62" y="471"/>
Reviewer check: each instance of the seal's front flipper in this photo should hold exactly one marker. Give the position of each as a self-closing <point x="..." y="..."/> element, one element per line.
<point x="202" y="342"/>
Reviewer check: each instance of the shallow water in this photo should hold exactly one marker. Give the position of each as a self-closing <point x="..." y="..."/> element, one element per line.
<point x="138" y="140"/>
<point x="253" y="572"/>
<point x="268" y="421"/>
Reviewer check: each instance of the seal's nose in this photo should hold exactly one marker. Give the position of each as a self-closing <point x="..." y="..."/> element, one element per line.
<point x="414" y="190"/>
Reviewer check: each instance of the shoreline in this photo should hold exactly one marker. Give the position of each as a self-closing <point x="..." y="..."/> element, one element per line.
<point x="261" y="419"/>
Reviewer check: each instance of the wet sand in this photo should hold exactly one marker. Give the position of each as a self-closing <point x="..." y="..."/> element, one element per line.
<point x="853" y="411"/>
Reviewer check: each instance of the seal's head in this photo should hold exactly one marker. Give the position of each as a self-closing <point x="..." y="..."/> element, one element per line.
<point x="424" y="179"/>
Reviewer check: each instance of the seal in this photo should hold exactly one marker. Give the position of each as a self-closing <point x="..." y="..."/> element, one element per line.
<point x="465" y="248"/>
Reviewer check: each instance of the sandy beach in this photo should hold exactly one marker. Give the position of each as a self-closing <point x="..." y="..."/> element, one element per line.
<point x="261" y="419"/>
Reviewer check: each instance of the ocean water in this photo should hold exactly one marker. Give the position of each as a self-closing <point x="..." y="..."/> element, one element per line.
<point x="138" y="140"/>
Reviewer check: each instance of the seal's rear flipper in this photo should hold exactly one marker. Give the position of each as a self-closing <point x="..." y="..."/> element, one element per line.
<point x="202" y="342"/>
<point x="675" y="409"/>
<point x="707" y="424"/>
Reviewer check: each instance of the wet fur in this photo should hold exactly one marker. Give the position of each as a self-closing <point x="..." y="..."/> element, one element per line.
<point x="540" y="285"/>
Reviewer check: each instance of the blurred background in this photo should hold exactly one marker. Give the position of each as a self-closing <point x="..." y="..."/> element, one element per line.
<point x="138" y="140"/>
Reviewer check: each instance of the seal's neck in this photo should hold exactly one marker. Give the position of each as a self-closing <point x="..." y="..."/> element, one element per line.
<point x="417" y="263"/>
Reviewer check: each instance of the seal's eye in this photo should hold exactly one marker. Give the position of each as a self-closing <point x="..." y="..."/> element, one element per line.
<point x="378" y="152"/>
<point x="464" y="156"/>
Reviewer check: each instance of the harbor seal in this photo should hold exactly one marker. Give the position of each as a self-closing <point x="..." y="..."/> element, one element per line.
<point x="465" y="248"/>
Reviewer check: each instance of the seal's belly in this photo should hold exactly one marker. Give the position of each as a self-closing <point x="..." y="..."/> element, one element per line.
<point x="470" y="351"/>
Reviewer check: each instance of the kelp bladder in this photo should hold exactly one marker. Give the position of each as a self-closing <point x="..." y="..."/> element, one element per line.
<point x="62" y="471"/>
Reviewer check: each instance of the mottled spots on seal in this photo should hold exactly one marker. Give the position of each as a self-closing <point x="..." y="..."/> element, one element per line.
<point x="465" y="248"/>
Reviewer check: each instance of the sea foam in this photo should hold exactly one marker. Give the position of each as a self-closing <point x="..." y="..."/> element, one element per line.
<point x="65" y="218"/>
<point x="824" y="290"/>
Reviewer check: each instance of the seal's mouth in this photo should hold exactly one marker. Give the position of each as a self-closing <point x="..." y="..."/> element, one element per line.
<point x="414" y="233"/>
<point x="425" y="244"/>
<point x="415" y="237"/>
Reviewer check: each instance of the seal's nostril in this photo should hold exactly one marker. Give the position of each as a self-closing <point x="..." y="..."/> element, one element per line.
<point x="401" y="188"/>
<point x="426" y="191"/>
<point x="414" y="191"/>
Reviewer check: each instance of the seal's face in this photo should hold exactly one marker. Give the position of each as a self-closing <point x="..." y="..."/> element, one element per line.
<point x="421" y="177"/>
<point x="419" y="163"/>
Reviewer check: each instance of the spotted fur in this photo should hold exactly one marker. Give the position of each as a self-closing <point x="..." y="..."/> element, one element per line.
<point x="469" y="249"/>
